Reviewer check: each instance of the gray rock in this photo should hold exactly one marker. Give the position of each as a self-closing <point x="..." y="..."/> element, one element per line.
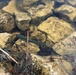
<point x="67" y="48"/>
<point x="71" y="2"/>
<point x="22" y="20"/>
<point x="6" y="21"/>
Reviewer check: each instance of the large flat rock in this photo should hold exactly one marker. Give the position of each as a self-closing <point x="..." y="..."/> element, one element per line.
<point x="56" y="29"/>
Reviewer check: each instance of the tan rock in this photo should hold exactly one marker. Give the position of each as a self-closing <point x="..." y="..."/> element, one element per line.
<point x="51" y="68"/>
<point x="41" y="10"/>
<point x="3" y="39"/>
<point x="67" y="48"/>
<point x="37" y="35"/>
<point x="11" y="7"/>
<point x="2" y="71"/>
<point x="21" y="45"/>
<point x="22" y="20"/>
<point x="56" y="29"/>
<point x="67" y="12"/>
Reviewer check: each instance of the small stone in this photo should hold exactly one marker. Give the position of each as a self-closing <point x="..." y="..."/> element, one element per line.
<point x="3" y="39"/>
<point x="6" y="21"/>
<point x="22" y="20"/>
<point x="21" y="45"/>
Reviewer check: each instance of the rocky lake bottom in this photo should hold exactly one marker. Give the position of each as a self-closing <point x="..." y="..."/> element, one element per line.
<point x="37" y="37"/>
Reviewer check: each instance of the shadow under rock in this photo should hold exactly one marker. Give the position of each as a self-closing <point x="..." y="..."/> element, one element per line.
<point x="46" y="51"/>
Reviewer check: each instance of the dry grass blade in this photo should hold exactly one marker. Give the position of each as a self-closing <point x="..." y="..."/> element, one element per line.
<point x="8" y="56"/>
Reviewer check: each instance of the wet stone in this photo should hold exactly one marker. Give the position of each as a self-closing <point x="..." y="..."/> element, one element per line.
<point x="67" y="48"/>
<point x="56" y="29"/>
<point x="22" y="20"/>
<point x="67" y="12"/>
<point x="6" y="21"/>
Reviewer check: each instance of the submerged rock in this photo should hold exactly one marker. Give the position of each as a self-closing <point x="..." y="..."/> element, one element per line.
<point x="22" y="20"/>
<point x="67" y="48"/>
<point x="67" y="12"/>
<point x="51" y="68"/>
<point x="23" y="5"/>
<point x="54" y="28"/>
<point x="3" y="39"/>
<point x="39" y="36"/>
<point x="21" y="46"/>
<point x="37" y="9"/>
<point x="40" y="12"/>
<point x="71" y="2"/>
<point x="11" y="7"/>
<point x="6" y="21"/>
<point x="3" y="72"/>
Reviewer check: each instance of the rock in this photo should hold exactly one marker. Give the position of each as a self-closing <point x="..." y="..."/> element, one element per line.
<point x="37" y="9"/>
<point x="51" y="68"/>
<point x="6" y="21"/>
<point x="2" y="71"/>
<point x="12" y="39"/>
<point x="67" y="12"/>
<point x="49" y="43"/>
<point x="33" y="28"/>
<point x="67" y="48"/>
<point x="39" y="36"/>
<point x="24" y="4"/>
<point x="11" y="7"/>
<point x="54" y="28"/>
<point x="22" y="20"/>
<point x="3" y="39"/>
<point x="71" y="2"/>
<point x="40" y="12"/>
<point x="21" y="45"/>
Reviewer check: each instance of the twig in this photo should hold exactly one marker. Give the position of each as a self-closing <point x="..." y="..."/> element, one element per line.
<point x="27" y="44"/>
<point x="9" y="56"/>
